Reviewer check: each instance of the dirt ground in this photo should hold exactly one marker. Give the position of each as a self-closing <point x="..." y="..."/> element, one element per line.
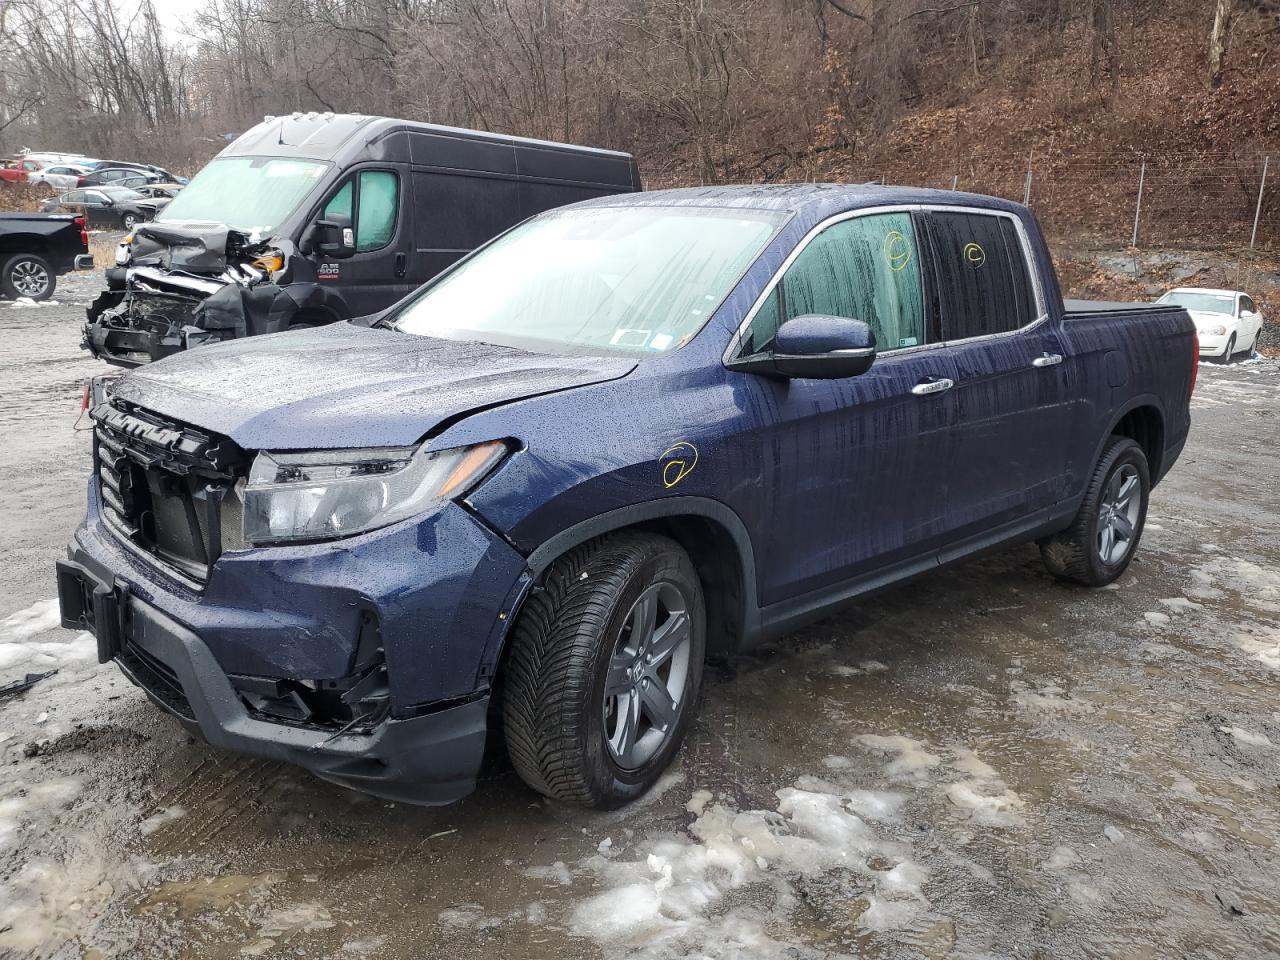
<point x="982" y="764"/>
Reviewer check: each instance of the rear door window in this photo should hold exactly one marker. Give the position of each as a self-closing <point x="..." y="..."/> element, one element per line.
<point x="866" y="268"/>
<point x="984" y="283"/>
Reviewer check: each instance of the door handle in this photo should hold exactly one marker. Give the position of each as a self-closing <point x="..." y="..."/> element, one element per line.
<point x="933" y="386"/>
<point x="400" y="264"/>
<point x="1048" y="360"/>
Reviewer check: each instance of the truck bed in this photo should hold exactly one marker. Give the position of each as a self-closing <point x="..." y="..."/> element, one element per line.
<point x="1080" y="309"/>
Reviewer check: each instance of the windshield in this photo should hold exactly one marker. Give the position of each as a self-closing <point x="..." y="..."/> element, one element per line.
<point x="253" y="194"/>
<point x="600" y="280"/>
<point x="1202" y="302"/>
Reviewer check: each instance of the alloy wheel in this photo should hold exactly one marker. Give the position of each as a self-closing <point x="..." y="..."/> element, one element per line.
<point x="29" y="278"/>
<point x="1118" y="515"/>
<point x="644" y="691"/>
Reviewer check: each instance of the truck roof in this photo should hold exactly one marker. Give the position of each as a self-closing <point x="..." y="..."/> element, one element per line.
<point x="814" y="200"/>
<point x="325" y="136"/>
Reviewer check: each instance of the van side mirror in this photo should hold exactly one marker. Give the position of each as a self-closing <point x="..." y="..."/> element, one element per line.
<point x="816" y="347"/>
<point x="333" y="237"/>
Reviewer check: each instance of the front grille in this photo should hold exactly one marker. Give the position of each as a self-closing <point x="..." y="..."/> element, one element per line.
<point x="167" y="488"/>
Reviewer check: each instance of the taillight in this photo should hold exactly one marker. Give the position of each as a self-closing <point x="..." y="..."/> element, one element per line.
<point x="80" y="181"/>
<point x="84" y="232"/>
<point x="84" y="397"/>
<point x="1195" y="361"/>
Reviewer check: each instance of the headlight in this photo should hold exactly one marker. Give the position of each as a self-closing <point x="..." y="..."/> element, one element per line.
<point x="338" y="493"/>
<point x="1218" y="331"/>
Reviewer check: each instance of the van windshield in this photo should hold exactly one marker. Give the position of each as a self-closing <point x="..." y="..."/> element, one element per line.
<point x="253" y="194"/>
<point x="597" y="280"/>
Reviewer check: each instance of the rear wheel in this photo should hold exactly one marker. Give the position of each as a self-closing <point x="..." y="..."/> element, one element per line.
<point x="27" y="275"/>
<point x="1099" y="545"/>
<point x="604" y="670"/>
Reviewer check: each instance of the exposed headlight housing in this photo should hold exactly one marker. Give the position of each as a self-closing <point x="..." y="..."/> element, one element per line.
<point x="326" y="494"/>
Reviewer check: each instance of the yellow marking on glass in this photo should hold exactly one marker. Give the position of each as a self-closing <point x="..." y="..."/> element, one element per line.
<point x="897" y="251"/>
<point x="974" y="255"/>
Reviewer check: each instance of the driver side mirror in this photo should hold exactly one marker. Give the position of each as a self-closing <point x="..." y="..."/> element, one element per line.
<point x="333" y="237"/>
<point x="816" y="347"/>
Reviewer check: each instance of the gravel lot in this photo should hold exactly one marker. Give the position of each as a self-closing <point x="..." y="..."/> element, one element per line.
<point x="982" y="764"/>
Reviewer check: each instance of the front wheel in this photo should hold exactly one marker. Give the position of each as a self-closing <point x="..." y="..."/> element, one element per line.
<point x="1230" y="351"/>
<point x="130" y="220"/>
<point x="1099" y="545"/>
<point x="604" y="670"/>
<point x="27" y="276"/>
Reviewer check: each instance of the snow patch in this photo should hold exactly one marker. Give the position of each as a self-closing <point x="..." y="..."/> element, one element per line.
<point x="687" y="895"/>
<point x="162" y="818"/>
<point x="1262" y="645"/>
<point x="912" y="761"/>
<point x="1248" y="737"/>
<point x="21" y="653"/>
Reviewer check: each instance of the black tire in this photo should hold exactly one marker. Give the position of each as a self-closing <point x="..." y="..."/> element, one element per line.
<point x="1074" y="554"/>
<point x="1230" y="351"/>
<point x="130" y="220"/>
<point x="20" y="273"/>
<point x="555" y="712"/>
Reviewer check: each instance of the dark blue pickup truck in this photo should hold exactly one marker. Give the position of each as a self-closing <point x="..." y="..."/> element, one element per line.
<point x="529" y="500"/>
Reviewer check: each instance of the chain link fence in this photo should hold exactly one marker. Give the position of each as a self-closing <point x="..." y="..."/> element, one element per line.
<point x="1129" y="227"/>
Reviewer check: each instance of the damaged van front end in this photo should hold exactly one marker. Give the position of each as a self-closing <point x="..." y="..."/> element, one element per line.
<point x="181" y="285"/>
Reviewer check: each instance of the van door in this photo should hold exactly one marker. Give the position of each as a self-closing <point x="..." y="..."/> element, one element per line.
<point x="375" y="277"/>
<point x="1013" y="405"/>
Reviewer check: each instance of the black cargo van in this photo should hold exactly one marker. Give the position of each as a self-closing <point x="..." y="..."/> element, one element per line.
<point x="313" y="218"/>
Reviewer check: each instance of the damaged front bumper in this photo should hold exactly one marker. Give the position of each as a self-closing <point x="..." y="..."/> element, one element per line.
<point x="242" y="662"/>
<point x="428" y="759"/>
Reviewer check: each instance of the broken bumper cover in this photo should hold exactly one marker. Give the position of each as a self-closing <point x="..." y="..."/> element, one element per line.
<point x="129" y="347"/>
<point x="294" y="613"/>
<point x="432" y="758"/>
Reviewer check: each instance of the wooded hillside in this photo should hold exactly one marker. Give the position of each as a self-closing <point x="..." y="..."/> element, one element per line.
<point x="941" y="92"/>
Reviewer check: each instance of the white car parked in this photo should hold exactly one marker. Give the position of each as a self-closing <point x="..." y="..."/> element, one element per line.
<point x="1227" y="321"/>
<point x="63" y="176"/>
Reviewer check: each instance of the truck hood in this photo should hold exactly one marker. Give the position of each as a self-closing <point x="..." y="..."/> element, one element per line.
<point x="347" y="385"/>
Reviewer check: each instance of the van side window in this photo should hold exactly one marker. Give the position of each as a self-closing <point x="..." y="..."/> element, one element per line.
<point x="343" y="202"/>
<point x="379" y="201"/>
<point x="985" y="284"/>
<point x="866" y="268"/>
<point x="371" y="202"/>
